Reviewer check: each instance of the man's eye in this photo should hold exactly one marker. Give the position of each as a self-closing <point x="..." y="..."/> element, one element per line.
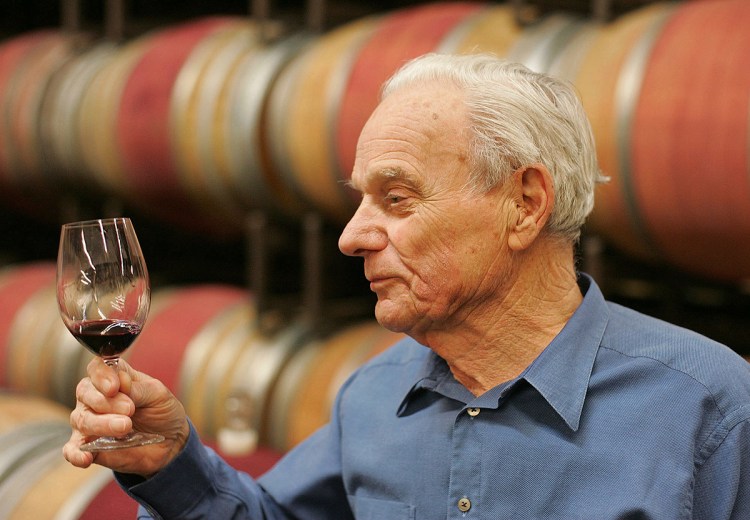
<point x="392" y="198"/>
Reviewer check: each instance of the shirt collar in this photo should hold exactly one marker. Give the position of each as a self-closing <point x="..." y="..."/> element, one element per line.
<point x="560" y="373"/>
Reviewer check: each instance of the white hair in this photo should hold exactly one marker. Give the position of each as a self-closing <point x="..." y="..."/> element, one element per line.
<point x="519" y="117"/>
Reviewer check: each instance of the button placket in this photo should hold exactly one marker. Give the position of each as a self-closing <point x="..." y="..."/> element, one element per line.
<point x="466" y="464"/>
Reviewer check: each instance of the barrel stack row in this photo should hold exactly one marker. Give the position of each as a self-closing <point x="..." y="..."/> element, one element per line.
<point x="250" y="394"/>
<point x="204" y="343"/>
<point x="202" y="122"/>
<point x="37" y="482"/>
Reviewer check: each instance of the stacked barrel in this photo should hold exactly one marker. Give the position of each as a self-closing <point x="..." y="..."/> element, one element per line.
<point x="203" y="122"/>
<point x="35" y="480"/>
<point x="203" y="342"/>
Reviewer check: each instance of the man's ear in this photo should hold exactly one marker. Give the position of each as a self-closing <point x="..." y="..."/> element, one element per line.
<point x="534" y="194"/>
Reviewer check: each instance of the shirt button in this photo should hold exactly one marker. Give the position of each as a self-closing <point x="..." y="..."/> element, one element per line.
<point x="473" y="412"/>
<point x="464" y="504"/>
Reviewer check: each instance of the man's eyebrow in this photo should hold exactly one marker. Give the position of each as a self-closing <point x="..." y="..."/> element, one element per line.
<point x="383" y="174"/>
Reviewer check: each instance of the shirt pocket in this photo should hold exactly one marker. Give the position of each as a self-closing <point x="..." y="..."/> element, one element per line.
<point x="366" y="508"/>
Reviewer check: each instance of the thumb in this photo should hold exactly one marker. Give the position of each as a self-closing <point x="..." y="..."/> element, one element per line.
<point x="126" y="380"/>
<point x="129" y="379"/>
<point x="142" y="389"/>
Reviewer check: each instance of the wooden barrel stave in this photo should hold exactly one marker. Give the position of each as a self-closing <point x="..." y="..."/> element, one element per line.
<point x="18" y="283"/>
<point x="257" y="372"/>
<point x="101" y="162"/>
<point x="31" y="348"/>
<point x="27" y="63"/>
<point x="248" y="172"/>
<point x="59" y="143"/>
<point x="35" y="481"/>
<point x="608" y="82"/>
<point x="24" y="100"/>
<point x="402" y="35"/>
<point x="13" y="53"/>
<point x="192" y="117"/>
<point x="541" y="44"/>
<point x="688" y="142"/>
<point x="168" y="332"/>
<point x="32" y="431"/>
<point x="23" y="476"/>
<point x="59" y="489"/>
<point x="302" y="109"/>
<point x="302" y="396"/>
<point x="209" y="361"/>
<point x="493" y="29"/>
<point x="142" y="125"/>
<point x="19" y="409"/>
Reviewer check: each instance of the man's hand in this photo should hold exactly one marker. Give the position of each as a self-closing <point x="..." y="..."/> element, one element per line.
<point x="111" y="403"/>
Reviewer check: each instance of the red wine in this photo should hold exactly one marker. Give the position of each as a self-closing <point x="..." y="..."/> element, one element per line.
<point x="105" y="338"/>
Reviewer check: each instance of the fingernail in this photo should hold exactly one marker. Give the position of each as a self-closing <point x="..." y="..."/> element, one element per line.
<point x="118" y="423"/>
<point x="122" y="409"/>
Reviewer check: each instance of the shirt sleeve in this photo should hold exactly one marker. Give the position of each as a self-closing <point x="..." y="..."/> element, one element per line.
<point x="722" y="484"/>
<point x="306" y="484"/>
<point x="198" y="484"/>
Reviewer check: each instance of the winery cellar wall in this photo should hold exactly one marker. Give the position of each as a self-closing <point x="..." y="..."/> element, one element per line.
<point x="177" y="114"/>
<point x="291" y="261"/>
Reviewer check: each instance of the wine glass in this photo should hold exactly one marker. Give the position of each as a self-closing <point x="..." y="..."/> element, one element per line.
<point x="104" y="295"/>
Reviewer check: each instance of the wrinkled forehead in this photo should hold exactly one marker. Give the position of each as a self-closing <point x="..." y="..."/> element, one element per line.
<point x="414" y="132"/>
<point x="429" y="99"/>
<point x="414" y="113"/>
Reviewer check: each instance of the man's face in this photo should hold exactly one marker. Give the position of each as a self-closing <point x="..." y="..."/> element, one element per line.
<point x="434" y="251"/>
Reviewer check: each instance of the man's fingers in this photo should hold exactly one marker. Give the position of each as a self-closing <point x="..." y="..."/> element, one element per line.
<point x="115" y="402"/>
<point x="101" y="425"/>
<point x="89" y="395"/>
<point x="109" y="422"/>
<point x="73" y="454"/>
<point x="126" y="381"/>
<point x="103" y="377"/>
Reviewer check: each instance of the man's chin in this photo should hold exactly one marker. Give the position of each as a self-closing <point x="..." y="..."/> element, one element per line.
<point x="389" y="317"/>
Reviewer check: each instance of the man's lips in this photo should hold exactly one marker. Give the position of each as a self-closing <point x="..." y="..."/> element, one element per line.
<point x="379" y="280"/>
<point x="380" y="274"/>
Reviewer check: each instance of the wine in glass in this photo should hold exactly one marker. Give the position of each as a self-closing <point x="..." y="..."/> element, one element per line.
<point x="104" y="295"/>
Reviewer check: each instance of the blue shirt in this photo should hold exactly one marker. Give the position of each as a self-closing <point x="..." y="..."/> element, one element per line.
<point x="622" y="416"/>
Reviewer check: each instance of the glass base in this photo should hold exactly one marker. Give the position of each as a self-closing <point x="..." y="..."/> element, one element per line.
<point x="131" y="440"/>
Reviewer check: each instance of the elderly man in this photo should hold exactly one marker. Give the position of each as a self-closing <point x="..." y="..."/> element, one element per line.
<point x="521" y="393"/>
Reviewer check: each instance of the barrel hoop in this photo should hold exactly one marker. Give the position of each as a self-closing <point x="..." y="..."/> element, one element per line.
<point x="627" y="92"/>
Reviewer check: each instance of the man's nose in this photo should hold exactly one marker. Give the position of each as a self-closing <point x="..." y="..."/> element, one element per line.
<point x="362" y="234"/>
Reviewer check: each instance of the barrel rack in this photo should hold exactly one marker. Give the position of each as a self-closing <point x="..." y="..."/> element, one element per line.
<point x="266" y="238"/>
<point x="600" y="10"/>
<point x="268" y="322"/>
<point x="310" y="243"/>
<point x="315" y="15"/>
<point x="115" y="15"/>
